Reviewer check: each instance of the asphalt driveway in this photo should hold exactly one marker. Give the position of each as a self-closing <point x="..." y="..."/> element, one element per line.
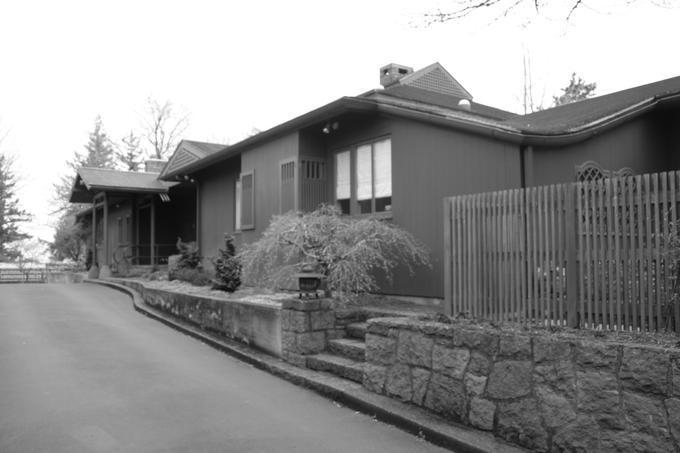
<point x="81" y="371"/>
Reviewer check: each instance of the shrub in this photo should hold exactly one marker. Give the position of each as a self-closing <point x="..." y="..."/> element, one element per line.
<point x="197" y="277"/>
<point x="348" y="251"/>
<point x="188" y="258"/>
<point x="227" y="267"/>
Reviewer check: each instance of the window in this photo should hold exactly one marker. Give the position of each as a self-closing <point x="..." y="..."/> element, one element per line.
<point x="363" y="178"/>
<point x="247" y="200"/>
<point x="237" y="205"/>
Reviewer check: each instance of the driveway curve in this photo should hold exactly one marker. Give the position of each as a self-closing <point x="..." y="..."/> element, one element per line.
<point x="81" y="371"/>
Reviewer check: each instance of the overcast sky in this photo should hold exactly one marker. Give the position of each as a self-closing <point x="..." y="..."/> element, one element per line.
<point x="235" y="66"/>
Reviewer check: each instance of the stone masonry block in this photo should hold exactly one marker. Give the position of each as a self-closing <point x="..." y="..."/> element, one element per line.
<point x="645" y="414"/>
<point x="549" y="349"/>
<point x="481" y="413"/>
<point x="474" y="385"/>
<point x="374" y="378"/>
<point x="420" y="378"/>
<point x="597" y="393"/>
<point x="398" y="383"/>
<point x="557" y="410"/>
<point x="673" y="410"/>
<point x="380" y="350"/>
<point x="480" y="340"/>
<point x="644" y="370"/>
<point x="295" y="321"/>
<point x="310" y="342"/>
<point x="322" y="320"/>
<point x="591" y="355"/>
<point x="414" y="348"/>
<point x="295" y="359"/>
<point x="446" y="396"/>
<point x="520" y="422"/>
<point x="450" y="361"/>
<point x="479" y="364"/>
<point x="515" y="346"/>
<point x="509" y="379"/>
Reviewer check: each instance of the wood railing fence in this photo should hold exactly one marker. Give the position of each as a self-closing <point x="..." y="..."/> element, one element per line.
<point x="592" y="255"/>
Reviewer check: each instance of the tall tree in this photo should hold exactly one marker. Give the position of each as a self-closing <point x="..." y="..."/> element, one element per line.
<point x="577" y="90"/>
<point x="128" y="154"/>
<point x="12" y="216"/>
<point x="98" y="153"/>
<point x="164" y="127"/>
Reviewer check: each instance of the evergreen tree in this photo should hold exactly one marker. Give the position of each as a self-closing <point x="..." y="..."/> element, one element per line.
<point x="129" y="154"/>
<point x="99" y="149"/>
<point x="577" y="90"/>
<point x="11" y="214"/>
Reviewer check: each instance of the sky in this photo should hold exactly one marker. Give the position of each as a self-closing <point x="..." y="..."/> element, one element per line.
<point x="235" y="66"/>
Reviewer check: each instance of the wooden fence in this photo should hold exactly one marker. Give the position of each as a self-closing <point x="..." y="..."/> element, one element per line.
<point x="591" y="255"/>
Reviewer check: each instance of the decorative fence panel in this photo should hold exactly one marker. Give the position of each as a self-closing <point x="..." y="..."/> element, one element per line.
<point x="590" y="254"/>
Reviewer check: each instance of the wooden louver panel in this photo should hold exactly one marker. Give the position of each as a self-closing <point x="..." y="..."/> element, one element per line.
<point x="247" y="200"/>
<point x="287" y="189"/>
<point x="313" y="184"/>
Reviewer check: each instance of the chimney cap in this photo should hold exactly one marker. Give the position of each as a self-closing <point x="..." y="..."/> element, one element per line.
<point x="391" y="73"/>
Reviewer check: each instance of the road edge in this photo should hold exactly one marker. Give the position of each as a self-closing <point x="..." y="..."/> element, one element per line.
<point x="411" y="419"/>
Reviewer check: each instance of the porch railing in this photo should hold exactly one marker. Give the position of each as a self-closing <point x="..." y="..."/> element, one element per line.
<point x="140" y="255"/>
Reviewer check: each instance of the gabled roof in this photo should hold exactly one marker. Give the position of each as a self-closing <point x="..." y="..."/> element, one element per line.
<point x="435" y="79"/>
<point x="187" y="152"/>
<point x="589" y="113"/>
<point x="91" y="180"/>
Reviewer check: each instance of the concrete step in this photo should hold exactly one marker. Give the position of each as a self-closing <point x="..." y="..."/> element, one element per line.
<point x="340" y="366"/>
<point x="348" y="347"/>
<point x="357" y="330"/>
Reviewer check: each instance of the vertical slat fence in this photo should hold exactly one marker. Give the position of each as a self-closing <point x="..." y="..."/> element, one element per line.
<point x="592" y="255"/>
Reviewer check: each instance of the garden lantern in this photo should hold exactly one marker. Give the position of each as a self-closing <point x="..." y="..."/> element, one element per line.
<point x="308" y="280"/>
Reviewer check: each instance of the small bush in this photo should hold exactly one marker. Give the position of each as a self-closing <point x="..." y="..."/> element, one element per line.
<point x="197" y="277"/>
<point x="189" y="257"/>
<point x="227" y="267"/>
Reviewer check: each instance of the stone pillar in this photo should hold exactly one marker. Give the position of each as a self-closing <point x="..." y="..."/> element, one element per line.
<point x="306" y="324"/>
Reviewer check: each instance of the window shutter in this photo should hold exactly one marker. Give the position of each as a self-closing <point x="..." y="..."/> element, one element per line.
<point x="247" y="200"/>
<point x="237" y="205"/>
<point x="342" y="176"/>
<point x="287" y="187"/>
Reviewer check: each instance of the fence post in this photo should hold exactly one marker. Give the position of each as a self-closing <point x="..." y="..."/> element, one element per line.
<point x="448" y="276"/>
<point x="572" y="269"/>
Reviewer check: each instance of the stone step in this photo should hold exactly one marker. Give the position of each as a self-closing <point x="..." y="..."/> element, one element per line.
<point x="348" y="347"/>
<point x="357" y="330"/>
<point x="340" y="366"/>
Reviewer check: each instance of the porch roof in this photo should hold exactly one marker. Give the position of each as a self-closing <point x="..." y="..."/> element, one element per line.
<point x="91" y="180"/>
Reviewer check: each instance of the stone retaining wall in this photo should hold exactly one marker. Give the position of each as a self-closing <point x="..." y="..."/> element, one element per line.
<point x="540" y="391"/>
<point x="252" y="323"/>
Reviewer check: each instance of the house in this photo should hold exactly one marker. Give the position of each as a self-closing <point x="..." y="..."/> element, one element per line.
<point x="136" y="217"/>
<point x="396" y="152"/>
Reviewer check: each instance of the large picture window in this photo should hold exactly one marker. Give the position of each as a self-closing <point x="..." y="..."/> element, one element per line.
<point x="363" y="178"/>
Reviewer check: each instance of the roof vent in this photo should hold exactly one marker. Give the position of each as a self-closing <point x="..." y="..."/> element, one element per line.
<point x="391" y="73"/>
<point x="464" y="104"/>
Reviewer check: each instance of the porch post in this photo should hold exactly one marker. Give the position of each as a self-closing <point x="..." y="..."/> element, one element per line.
<point x="152" y="209"/>
<point x="198" y="215"/>
<point x="105" y="270"/>
<point x="93" y="271"/>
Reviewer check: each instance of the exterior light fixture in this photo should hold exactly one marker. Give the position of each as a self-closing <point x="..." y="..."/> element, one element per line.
<point x="326" y="129"/>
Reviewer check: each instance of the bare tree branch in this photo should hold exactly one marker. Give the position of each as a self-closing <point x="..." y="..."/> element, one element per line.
<point x="163" y="127"/>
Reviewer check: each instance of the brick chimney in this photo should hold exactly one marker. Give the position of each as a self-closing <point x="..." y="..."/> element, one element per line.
<point x="154" y="165"/>
<point x="391" y="73"/>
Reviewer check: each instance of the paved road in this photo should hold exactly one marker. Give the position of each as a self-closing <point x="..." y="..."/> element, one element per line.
<point x="81" y="371"/>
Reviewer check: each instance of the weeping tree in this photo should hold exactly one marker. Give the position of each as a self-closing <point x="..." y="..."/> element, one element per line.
<point x="348" y="251"/>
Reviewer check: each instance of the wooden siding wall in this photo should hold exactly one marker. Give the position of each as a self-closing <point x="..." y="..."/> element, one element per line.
<point x="428" y="164"/>
<point x="641" y="144"/>
<point x="587" y="255"/>
<point x="265" y="160"/>
<point x="216" y="187"/>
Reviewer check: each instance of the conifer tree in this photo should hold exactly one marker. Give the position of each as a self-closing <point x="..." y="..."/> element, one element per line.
<point x="11" y="213"/>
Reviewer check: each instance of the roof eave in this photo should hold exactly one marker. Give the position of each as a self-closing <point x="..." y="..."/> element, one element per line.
<point x="325" y="112"/>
